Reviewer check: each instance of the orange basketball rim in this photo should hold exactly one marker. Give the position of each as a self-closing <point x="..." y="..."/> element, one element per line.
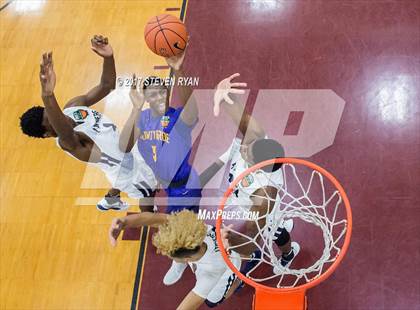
<point x="290" y="298"/>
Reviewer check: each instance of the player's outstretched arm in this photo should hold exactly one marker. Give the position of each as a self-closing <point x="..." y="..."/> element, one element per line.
<point x="62" y="126"/>
<point x="191" y="302"/>
<point x="131" y="132"/>
<point x="248" y="126"/>
<point x="189" y="115"/>
<point x="134" y="221"/>
<point x="101" y="47"/>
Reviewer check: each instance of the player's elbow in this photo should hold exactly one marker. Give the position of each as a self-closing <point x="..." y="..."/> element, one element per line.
<point x="108" y="86"/>
<point x="125" y="147"/>
<point x="68" y="143"/>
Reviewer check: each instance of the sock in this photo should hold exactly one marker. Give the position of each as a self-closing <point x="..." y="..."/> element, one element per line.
<point x="287" y="257"/>
<point x="112" y="199"/>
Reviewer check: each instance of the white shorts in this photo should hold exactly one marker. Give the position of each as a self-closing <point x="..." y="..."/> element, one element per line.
<point x="218" y="293"/>
<point x="138" y="181"/>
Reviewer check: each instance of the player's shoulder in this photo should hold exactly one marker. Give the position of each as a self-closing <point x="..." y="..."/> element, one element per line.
<point x="147" y="114"/>
<point x="79" y="113"/>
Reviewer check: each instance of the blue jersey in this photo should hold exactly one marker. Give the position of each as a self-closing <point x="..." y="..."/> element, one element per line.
<point x="165" y="144"/>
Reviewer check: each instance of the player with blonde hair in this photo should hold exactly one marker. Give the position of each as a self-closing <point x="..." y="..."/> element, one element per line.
<point x="186" y="239"/>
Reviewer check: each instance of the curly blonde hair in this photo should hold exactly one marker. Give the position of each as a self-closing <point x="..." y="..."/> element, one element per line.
<point x="183" y="230"/>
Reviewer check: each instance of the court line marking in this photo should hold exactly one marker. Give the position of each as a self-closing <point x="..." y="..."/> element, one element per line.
<point x="140" y="267"/>
<point x="5" y="5"/>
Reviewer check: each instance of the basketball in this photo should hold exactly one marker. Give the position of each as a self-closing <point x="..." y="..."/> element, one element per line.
<point x="165" y="35"/>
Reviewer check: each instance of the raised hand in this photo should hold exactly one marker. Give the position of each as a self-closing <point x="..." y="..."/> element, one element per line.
<point x="47" y="74"/>
<point x="223" y="89"/>
<point x="117" y="226"/>
<point x="175" y="62"/>
<point x="136" y="93"/>
<point x="101" y="47"/>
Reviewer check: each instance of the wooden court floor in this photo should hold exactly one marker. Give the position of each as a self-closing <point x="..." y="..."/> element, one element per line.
<point x="54" y="253"/>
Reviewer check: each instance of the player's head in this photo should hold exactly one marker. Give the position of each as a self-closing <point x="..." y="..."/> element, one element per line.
<point x="156" y="94"/>
<point x="181" y="238"/>
<point x="34" y="123"/>
<point x="263" y="149"/>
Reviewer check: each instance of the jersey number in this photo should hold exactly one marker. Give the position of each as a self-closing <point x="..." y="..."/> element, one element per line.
<point x="154" y="153"/>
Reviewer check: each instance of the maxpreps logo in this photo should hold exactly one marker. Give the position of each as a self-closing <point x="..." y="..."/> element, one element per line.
<point x="80" y="115"/>
<point x="164" y="121"/>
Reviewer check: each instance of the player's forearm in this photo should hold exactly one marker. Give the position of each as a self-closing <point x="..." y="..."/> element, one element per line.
<point x="128" y="135"/>
<point x="247" y="123"/>
<point x="210" y="172"/>
<point x="109" y="75"/>
<point x="185" y="92"/>
<point x="190" y="112"/>
<point x="58" y="120"/>
<point x="143" y="219"/>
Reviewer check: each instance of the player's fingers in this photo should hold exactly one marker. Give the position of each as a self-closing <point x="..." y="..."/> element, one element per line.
<point x="234" y="76"/>
<point x="95" y="44"/>
<point x="44" y="58"/>
<point x="101" y="40"/>
<point x="112" y="239"/>
<point x="134" y="84"/>
<point x="140" y="83"/>
<point x="216" y="109"/>
<point x="239" y="84"/>
<point x="43" y="67"/>
<point x="41" y="72"/>
<point x="105" y="40"/>
<point x="216" y="104"/>
<point x="237" y="91"/>
<point x="51" y="61"/>
<point x="227" y="99"/>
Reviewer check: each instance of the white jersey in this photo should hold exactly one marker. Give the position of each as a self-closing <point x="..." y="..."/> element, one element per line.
<point x="127" y="172"/>
<point x="251" y="182"/>
<point x="212" y="274"/>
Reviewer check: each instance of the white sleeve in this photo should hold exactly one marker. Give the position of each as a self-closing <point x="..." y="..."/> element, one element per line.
<point x="204" y="284"/>
<point x="234" y="147"/>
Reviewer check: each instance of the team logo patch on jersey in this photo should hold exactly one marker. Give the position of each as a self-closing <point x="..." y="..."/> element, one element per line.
<point x="80" y="115"/>
<point x="247" y="181"/>
<point x="164" y="121"/>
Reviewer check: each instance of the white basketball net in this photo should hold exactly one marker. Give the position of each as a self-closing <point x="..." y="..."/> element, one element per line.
<point x="288" y="206"/>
